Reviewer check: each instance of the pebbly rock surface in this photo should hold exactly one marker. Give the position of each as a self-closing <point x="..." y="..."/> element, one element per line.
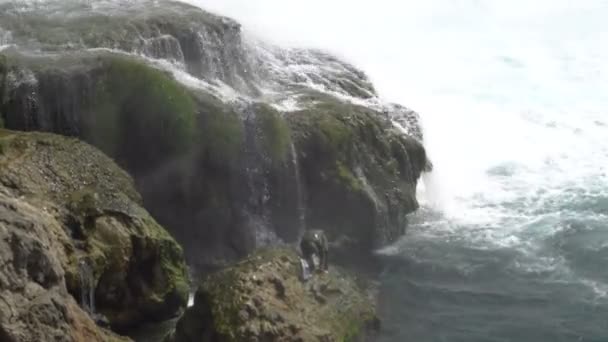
<point x="263" y="299"/>
<point x="34" y="301"/>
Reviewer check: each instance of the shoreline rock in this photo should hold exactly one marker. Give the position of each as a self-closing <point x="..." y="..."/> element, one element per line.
<point x="263" y="299"/>
<point x="91" y="215"/>
<point x="34" y="301"/>
<point x="233" y="145"/>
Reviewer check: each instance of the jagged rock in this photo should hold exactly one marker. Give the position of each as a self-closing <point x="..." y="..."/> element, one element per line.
<point x="360" y="174"/>
<point x="207" y="45"/>
<point x="95" y="218"/>
<point x="34" y="302"/>
<point x="224" y="175"/>
<point x="223" y="304"/>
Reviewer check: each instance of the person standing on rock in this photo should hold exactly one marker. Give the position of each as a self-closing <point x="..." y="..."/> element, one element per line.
<point x="314" y="243"/>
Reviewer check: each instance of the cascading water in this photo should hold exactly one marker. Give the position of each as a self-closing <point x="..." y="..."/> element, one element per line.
<point x="511" y="242"/>
<point x="300" y="205"/>
<point x="5" y="38"/>
<point x="87" y="287"/>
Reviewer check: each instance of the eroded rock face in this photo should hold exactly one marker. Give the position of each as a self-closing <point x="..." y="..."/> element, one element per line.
<point x="234" y="145"/>
<point x="360" y="174"/>
<point x="226" y="179"/>
<point x="34" y="302"/>
<point x="207" y="45"/>
<point x="94" y="218"/>
<point x="263" y="299"/>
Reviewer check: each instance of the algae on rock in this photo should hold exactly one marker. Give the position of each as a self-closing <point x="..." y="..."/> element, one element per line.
<point x="224" y="177"/>
<point x="135" y="113"/>
<point x="263" y="299"/>
<point x="359" y="172"/>
<point x="209" y="46"/>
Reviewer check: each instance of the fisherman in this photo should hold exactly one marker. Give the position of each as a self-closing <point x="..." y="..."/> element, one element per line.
<point x="314" y="244"/>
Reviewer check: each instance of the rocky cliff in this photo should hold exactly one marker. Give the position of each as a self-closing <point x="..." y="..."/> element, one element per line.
<point x="71" y="223"/>
<point x="233" y="143"/>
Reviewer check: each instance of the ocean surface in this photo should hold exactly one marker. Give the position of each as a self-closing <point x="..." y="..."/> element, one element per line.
<point x="511" y="242"/>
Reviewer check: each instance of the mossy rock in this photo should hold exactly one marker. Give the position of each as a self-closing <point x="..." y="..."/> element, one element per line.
<point x="138" y="268"/>
<point x="132" y="111"/>
<point x="179" y="143"/>
<point x="199" y="171"/>
<point x="170" y="30"/>
<point x="135" y="105"/>
<point x="274" y="133"/>
<point x="33" y="253"/>
<point x="262" y="298"/>
<point x="359" y="171"/>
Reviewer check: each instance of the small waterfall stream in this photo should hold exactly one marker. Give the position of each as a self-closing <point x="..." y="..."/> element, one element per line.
<point x="87" y="287"/>
<point x="300" y="203"/>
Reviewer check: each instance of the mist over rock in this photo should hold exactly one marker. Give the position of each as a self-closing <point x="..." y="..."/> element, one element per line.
<point x="233" y="143"/>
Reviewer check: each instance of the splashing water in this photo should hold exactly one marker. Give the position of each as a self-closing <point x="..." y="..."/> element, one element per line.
<point x="511" y="241"/>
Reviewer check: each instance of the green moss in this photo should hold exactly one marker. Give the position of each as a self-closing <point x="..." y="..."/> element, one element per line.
<point x="335" y="134"/>
<point x="275" y="134"/>
<point x="346" y="177"/>
<point x="225" y="305"/>
<point x="172" y="264"/>
<point x="222" y="133"/>
<point x="137" y="104"/>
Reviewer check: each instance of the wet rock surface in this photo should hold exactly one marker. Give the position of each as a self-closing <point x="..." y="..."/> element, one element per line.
<point x="233" y="144"/>
<point x="227" y="178"/>
<point x="263" y="299"/>
<point x="83" y="210"/>
<point x="34" y="302"/>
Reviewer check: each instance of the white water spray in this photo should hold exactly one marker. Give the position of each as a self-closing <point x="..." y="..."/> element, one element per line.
<point x="513" y="112"/>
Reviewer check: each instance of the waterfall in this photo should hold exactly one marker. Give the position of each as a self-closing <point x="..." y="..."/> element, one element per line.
<point x="5" y="38"/>
<point x="300" y="203"/>
<point x="87" y="287"/>
<point x="257" y="212"/>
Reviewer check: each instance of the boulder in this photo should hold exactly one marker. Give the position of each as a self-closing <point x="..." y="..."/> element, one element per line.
<point x="223" y="165"/>
<point x="263" y="299"/>
<point x="207" y="45"/>
<point x="34" y="302"/>
<point x="359" y="174"/>
<point x="109" y="251"/>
